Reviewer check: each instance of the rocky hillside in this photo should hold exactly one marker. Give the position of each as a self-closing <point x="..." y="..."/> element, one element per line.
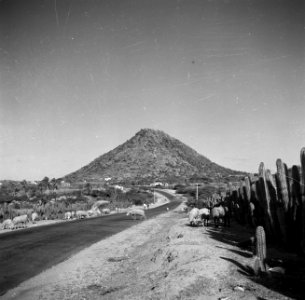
<point x="151" y="155"/>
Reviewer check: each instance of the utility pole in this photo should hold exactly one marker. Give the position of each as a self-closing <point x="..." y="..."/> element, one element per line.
<point x="197" y="193"/>
<point x="154" y="197"/>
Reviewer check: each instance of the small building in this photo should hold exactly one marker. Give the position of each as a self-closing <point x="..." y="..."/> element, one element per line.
<point x="65" y="184"/>
<point x="161" y="184"/>
<point x="119" y="187"/>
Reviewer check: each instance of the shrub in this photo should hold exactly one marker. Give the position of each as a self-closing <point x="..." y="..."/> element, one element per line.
<point x="138" y="202"/>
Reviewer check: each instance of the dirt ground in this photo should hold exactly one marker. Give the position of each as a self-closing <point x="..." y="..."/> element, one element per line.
<point x="163" y="258"/>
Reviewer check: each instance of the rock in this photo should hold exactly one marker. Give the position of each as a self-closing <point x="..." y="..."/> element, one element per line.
<point x="239" y="288"/>
<point x="277" y="270"/>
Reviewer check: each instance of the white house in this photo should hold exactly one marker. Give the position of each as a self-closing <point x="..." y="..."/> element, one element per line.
<point x="154" y="184"/>
<point x="65" y="184"/>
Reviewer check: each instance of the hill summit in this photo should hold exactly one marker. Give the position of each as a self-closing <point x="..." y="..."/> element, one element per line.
<point x="151" y="155"/>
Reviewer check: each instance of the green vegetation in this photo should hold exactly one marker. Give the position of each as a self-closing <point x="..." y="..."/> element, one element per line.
<point x="208" y="194"/>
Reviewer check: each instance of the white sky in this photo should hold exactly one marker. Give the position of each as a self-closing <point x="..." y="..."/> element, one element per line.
<point x="79" y="78"/>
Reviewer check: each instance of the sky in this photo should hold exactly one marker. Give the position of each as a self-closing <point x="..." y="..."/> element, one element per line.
<point x="78" y="78"/>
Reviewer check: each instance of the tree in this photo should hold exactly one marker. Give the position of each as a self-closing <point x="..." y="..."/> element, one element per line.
<point x="45" y="183"/>
<point x="25" y="187"/>
<point x="87" y="188"/>
<point x="53" y="186"/>
<point x="12" y="189"/>
<point x="40" y="189"/>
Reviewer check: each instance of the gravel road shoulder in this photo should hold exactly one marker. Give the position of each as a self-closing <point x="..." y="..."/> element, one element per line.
<point x="161" y="258"/>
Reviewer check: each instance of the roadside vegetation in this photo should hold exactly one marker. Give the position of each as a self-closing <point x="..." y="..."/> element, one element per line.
<point x="208" y="194"/>
<point x="51" y="201"/>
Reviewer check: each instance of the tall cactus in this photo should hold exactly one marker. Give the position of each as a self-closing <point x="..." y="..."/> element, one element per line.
<point x="283" y="187"/>
<point x="271" y="184"/>
<point x="258" y="205"/>
<point x="260" y="247"/>
<point x="296" y="211"/>
<point x="254" y="204"/>
<point x="229" y="188"/>
<point x="242" y="202"/>
<point x="247" y="194"/>
<point x="303" y="197"/>
<point x="289" y="183"/>
<point x="247" y="188"/>
<point x="265" y="200"/>
<point x="289" y="219"/>
<point x="283" y="198"/>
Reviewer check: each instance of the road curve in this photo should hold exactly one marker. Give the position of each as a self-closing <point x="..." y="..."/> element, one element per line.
<point x="25" y="253"/>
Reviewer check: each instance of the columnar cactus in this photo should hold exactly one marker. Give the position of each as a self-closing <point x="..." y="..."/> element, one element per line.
<point x="254" y="205"/>
<point x="260" y="247"/>
<point x="258" y="205"/>
<point x="242" y="203"/>
<point x="247" y="188"/>
<point x="247" y="194"/>
<point x="296" y="211"/>
<point x="283" y="186"/>
<point x="230" y="188"/>
<point x="303" y="171"/>
<point x="271" y="184"/>
<point x="283" y="198"/>
<point x="303" y="196"/>
<point x="289" y="182"/>
<point x="295" y="190"/>
<point x="265" y="200"/>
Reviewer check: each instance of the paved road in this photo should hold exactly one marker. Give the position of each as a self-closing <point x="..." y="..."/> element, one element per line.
<point x="25" y="253"/>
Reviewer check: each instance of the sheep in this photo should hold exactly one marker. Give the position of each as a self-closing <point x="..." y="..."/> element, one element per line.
<point x="23" y="211"/>
<point x="183" y="207"/>
<point x="204" y="214"/>
<point x="219" y="212"/>
<point x="98" y="212"/>
<point x="93" y="212"/>
<point x="194" y="216"/>
<point x="7" y="224"/>
<point x="34" y="217"/>
<point x="22" y="220"/>
<point x="81" y="214"/>
<point x="68" y="215"/>
<point x="136" y="212"/>
<point x="137" y="207"/>
<point x="90" y="213"/>
<point x="106" y="211"/>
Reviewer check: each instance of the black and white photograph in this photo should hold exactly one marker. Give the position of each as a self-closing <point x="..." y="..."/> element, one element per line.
<point x="152" y="149"/>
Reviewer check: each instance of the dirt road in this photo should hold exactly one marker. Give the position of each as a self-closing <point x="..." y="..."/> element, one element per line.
<point x="161" y="258"/>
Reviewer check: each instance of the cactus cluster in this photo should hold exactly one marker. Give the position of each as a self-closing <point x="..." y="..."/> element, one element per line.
<point x="274" y="201"/>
